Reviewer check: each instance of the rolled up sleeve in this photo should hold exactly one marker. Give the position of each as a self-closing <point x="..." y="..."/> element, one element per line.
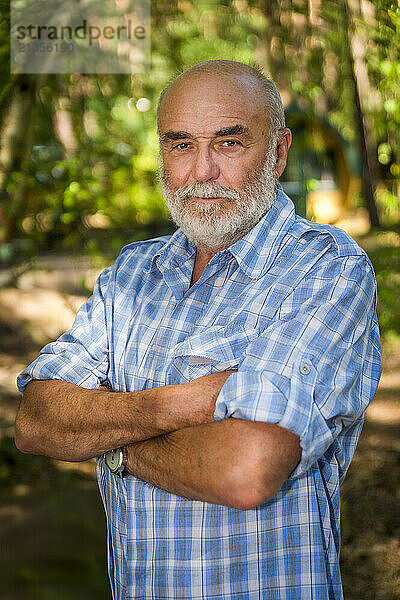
<point x="315" y="369"/>
<point x="80" y="355"/>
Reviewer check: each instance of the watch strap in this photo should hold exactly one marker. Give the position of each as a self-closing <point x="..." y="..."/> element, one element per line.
<point x="122" y="470"/>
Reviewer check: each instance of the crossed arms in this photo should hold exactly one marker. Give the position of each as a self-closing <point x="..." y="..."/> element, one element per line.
<point x="312" y="371"/>
<point x="173" y="441"/>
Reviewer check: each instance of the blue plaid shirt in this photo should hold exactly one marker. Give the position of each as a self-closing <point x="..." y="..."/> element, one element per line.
<point x="291" y="306"/>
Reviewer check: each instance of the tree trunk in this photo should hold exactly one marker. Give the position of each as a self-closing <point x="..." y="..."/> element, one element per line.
<point x="270" y="50"/>
<point x="367" y="154"/>
<point x="16" y="147"/>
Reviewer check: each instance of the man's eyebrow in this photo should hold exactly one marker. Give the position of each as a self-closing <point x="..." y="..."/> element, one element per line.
<point x="184" y="135"/>
<point x="234" y="130"/>
<point x="175" y="135"/>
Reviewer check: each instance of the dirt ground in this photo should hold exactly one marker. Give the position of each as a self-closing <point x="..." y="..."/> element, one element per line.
<point x="52" y="526"/>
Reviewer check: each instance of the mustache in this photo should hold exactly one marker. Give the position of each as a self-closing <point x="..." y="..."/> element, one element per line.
<point x="206" y="189"/>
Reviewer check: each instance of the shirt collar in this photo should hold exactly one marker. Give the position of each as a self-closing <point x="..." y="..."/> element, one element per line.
<point x="175" y="253"/>
<point x="254" y="252"/>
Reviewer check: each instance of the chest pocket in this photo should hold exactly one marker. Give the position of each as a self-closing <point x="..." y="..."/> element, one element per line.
<point x="210" y="350"/>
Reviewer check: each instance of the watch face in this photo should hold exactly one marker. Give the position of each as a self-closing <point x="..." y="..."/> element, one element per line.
<point x="114" y="459"/>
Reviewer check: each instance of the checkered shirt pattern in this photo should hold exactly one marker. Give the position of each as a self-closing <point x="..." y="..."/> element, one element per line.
<point x="291" y="306"/>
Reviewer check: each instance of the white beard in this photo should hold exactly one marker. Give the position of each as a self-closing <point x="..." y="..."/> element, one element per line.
<point x="219" y="225"/>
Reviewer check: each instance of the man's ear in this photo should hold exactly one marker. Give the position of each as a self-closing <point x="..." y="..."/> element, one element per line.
<point x="282" y="148"/>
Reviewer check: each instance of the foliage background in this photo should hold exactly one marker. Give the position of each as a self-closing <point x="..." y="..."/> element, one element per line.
<point x="79" y="152"/>
<point x="78" y="177"/>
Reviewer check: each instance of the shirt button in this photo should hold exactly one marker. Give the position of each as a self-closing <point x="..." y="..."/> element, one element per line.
<point x="305" y="369"/>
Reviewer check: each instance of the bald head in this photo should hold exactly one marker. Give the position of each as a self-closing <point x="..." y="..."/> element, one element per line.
<point x="248" y="80"/>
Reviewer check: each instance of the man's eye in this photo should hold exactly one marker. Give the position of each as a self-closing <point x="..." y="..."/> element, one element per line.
<point x="181" y="146"/>
<point x="229" y="143"/>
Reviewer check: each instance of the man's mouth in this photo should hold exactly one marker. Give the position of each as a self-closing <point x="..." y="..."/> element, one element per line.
<point x="208" y="199"/>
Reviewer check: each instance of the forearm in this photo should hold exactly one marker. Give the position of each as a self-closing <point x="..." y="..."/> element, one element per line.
<point x="232" y="462"/>
<point x="68" y="422"/>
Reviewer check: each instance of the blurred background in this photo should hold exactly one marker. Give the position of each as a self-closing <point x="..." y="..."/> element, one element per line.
<point x="78" y="180"/>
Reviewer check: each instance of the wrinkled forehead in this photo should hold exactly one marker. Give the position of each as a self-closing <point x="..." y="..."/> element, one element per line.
<point x="199" y="97"/>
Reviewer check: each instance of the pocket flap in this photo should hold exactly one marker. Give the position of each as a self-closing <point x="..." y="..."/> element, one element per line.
<point x="216" y="344"/>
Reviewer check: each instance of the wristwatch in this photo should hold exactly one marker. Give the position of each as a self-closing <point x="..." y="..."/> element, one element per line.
<point x="116" y="461"/>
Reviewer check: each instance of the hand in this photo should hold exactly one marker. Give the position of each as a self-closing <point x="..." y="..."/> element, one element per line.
<point x="202" y="393"/>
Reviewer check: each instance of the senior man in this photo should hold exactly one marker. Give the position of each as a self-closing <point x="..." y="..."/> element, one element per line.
<point x="241" y="352"/>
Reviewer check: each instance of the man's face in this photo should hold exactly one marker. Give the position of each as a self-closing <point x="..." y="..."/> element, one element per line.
<point x="218" y="171"/>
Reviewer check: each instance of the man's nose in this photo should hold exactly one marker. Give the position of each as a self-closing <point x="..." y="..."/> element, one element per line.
<point x="205" y="168"/>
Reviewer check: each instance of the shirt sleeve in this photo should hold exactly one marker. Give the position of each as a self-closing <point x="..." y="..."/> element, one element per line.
<point x="315" y="369"/>
<point x="80" y="355"/>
